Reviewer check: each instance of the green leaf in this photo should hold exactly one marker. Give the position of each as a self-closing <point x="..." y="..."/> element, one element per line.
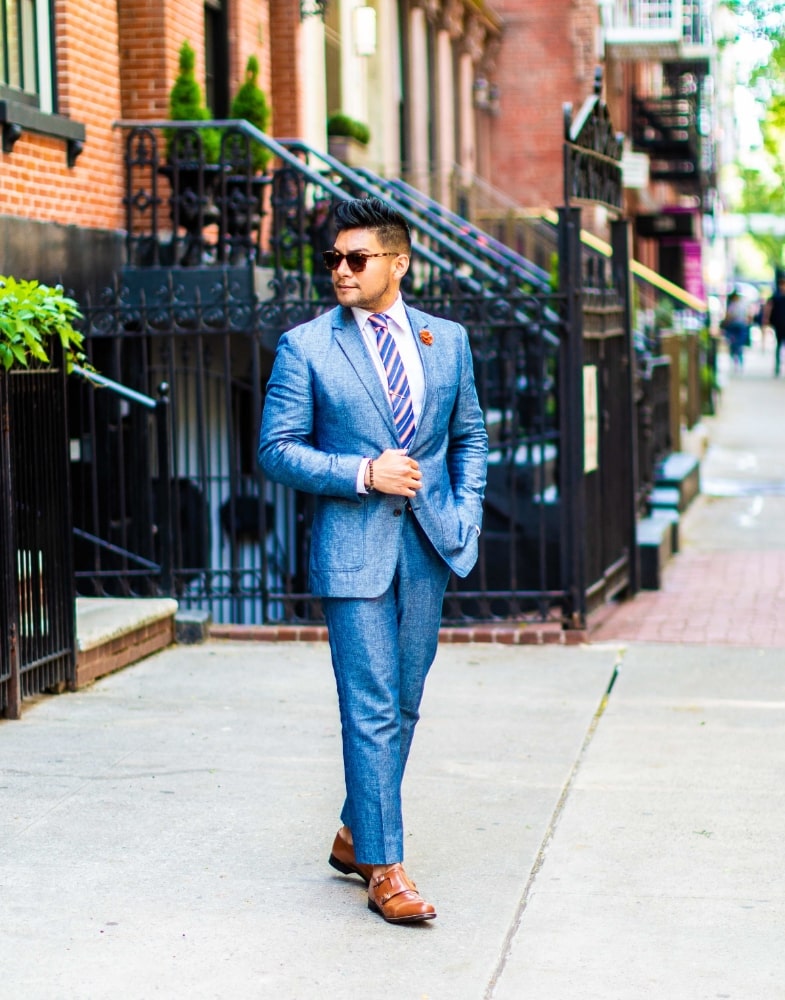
<point x="30" y="314"/>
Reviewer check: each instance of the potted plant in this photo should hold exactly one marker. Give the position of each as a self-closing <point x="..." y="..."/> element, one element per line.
<point x="192" y="160"/>
<point x="186" y="104"/>
<point x="246" y="163"/>
<point x="347" y="139"/>
<point x="250" y="103"/>
<point x="32" y="315"/>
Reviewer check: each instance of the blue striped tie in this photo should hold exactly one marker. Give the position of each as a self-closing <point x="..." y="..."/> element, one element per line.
<point x="397" y="382"/>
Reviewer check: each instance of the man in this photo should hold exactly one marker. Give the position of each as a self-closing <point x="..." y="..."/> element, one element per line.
<point x="774" y="316"/>
<point x="373" y="408"/>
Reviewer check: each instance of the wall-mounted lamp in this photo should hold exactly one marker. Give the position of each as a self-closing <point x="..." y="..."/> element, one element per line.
<point x="481" y="93"/>
<point x="486" y="96"/>
<point x="493" y="99"/>
<point x="364" y="31"/>
<point x="312" y="8"/>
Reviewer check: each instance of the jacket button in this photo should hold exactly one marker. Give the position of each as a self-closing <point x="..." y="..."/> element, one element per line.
<point x="397" y="512"/>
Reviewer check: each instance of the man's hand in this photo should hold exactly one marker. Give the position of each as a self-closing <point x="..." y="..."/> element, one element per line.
<point x="395" y="473"/>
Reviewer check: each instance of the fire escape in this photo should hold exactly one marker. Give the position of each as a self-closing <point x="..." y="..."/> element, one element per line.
<point x="663" y="49"/>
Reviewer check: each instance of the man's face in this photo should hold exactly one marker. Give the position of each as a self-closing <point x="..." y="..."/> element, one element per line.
<point x="376" y="287"/>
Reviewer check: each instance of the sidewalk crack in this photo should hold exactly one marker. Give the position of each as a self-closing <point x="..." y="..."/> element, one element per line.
<point x="539" y="861"/>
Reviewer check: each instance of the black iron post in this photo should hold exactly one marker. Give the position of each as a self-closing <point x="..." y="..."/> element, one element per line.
<point x="9" y="613"/>
<point x="65" y="540"/>
<point x="164" y="444"/>
<point x="573" y="501"/>
<point x="620" y="263"/>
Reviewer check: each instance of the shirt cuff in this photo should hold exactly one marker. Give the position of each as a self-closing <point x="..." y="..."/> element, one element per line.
<point x="361" y="488"/>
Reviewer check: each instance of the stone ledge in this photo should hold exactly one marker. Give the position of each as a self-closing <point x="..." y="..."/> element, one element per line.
<point x="114" y="654"/>
<point x="112" y="633"/>
<point x="191" y="625"/>
<point x="99" y="619"/>
<point x="654" y="539"/>
<point x="681" y="472"/>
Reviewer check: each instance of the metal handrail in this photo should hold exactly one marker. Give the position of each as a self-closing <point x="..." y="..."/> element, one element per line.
<point x="430" y="223"/>
<point x="488" y="246"/>
<point x="160" y="408"/>
<point x="122" y="390"/>
<point x="283" y="150"/>
<point x="318" y="178"/>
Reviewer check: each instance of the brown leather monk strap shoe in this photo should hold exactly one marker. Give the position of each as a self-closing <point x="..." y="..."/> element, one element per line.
<point x="342" y="859"/>
<point x="394" y="896"/>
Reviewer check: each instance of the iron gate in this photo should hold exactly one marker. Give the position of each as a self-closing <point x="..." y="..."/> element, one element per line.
<point x="37" y="629"/>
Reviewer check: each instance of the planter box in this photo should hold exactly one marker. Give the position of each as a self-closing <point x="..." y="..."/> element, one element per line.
<point x="348" y="150"/>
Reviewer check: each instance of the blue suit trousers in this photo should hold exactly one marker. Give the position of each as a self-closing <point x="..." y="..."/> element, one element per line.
<point x="382" y="649"/>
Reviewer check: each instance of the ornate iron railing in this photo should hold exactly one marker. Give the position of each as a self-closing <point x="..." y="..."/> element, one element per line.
<point x="201" y="306"/>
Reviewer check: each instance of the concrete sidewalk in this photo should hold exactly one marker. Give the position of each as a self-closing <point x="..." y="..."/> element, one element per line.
<point x="164" y="833"/>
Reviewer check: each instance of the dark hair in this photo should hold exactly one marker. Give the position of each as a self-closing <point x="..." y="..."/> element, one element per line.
<point x="373" y="213"/>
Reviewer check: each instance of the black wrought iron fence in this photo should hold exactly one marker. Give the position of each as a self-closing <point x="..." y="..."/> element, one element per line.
<point x="652" y="409"/>
<point x="206" y="321"/>
<point x="37" y="628"/>
<point x="120" y="479"/>
<point x="240" y="544"/>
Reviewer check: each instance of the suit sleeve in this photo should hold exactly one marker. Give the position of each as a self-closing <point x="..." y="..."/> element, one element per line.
<point x="287" y="453"/>
<point x="467" y="450"/>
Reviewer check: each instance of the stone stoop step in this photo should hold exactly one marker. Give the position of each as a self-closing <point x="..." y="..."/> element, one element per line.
<point x="679" y="472"/>
<point x="112" y="633"/>
<point x="655" y="547"/>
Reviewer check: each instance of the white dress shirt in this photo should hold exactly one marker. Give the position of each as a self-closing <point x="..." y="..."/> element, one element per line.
<point x="399" y="327"/>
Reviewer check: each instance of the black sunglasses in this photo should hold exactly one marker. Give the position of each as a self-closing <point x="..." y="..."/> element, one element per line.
<point x="356" y="261"/>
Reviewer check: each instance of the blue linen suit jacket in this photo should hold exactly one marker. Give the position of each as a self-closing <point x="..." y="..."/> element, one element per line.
<point x="326" y="409"/>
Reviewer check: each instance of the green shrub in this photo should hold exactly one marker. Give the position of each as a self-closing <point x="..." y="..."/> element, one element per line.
<point x="186" y="104"/>
<point x="340" y="124"/>
<point x="31" y="314"/>
<point x="251" y="104"/>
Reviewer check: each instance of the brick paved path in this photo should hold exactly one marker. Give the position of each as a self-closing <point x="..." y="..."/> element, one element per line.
<point x="727" y="584"/>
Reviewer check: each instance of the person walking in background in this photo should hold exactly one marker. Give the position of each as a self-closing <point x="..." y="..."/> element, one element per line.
<point x="774" y="316"/>
<point x="373" y="408"/>
<point x="736" y="326"/>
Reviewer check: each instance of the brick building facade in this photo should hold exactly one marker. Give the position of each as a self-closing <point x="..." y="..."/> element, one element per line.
<point x="61" y="199"/>
<point x="457" y="94"/>
<point x="547" y="57"/>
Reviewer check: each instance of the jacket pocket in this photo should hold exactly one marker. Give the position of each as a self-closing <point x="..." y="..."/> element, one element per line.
<point x="338" y="536"/>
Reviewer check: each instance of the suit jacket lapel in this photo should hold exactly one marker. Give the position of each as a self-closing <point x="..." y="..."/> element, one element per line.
<point x="350" y="340"/>
<point x="428" y="357"/>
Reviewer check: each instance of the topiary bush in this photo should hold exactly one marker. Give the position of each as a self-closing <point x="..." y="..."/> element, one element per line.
<point x="186" y="104"/>
<point x="341" y="124"/>
<point x="251" y="104"/>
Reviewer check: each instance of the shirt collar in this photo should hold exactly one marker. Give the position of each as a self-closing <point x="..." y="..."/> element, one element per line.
<point x="396" y="312"/>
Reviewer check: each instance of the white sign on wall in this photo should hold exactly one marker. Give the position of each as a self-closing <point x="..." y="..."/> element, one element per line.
<point x="591" y="419"/>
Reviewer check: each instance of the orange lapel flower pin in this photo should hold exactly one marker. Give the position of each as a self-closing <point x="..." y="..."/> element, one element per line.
<point x="426" y="337"/>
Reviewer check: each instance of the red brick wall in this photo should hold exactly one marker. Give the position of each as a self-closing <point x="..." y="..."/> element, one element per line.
<point x="35" y="181"/>
<point x="249" y="31"/>
<point x="112" y="67"/>
<point x="546" y="59"/>
<point x="143" y="59"/>
<point x="285" y="61"/>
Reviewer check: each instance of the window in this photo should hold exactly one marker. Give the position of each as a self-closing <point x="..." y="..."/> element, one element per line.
<point x="216" y="62"/>
<point x="26" y="52"/>
<point x="28" y="101"/>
